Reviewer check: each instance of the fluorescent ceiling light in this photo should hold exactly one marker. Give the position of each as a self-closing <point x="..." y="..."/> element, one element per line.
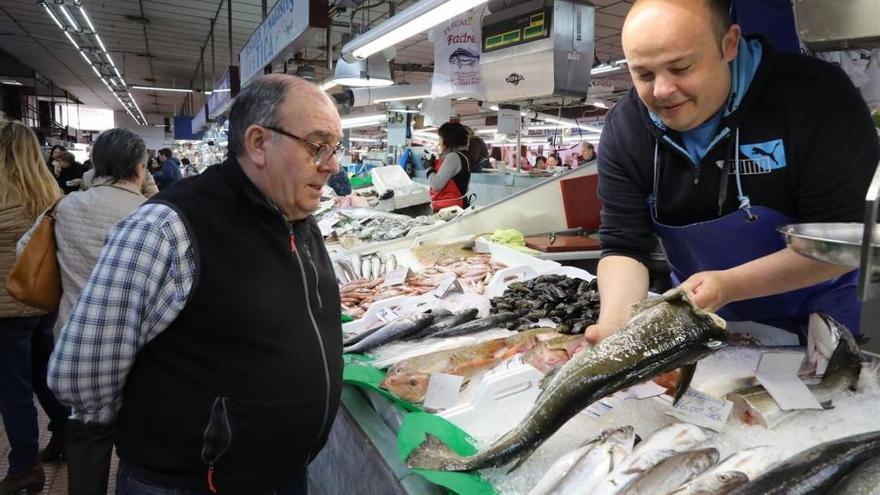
<point x="172" y="90"/>
<point x="84" y="56"/>
<point x="615" y="66"/>
<point x="11" y="82"/>
<point x="401" y="98"/>
<point x="52" y="15"/>
<point x="364" y="140"/>
<point x="85" y="16"/>
<point x="101" y="44"/>
<point x="363" y="120"/>
<point x="419" y="17"/>
<point x="370" y="73"/>
<point x="69" y="37"/>
<point x="328" y="84"/>
<point x="486" y="131"/>
<point x="69" y="18"/>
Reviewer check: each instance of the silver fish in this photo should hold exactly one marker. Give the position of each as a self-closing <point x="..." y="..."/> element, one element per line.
<point x="822" y="340"/>
<point x="753" y="461"/>
<point x="376" y="266"/>
<point x="672" y="472"/>
<point x="713" y="483"/>
<point x="754" y="405"/>
<point x="664" y="334"/>
<point x="390" y="263"/>
<point x="355" y="261"/>
<point x="397" y="329"/>
<point x="815" y="470"/>
<point x="665" y="442"/>
<point x="863" y="480"/>
<point x="592" y="468"/>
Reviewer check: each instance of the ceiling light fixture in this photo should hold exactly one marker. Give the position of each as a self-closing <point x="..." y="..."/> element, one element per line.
<point x="172" y="90"/>
<point x="85" y="16"/>
<point x="69" y="18"/>
<point x="419" y="17"/>
<point x="370" y="73"/>
<point x="11" y="82"/>
<point x="401" y="98"/>
<point x="52" y="15"/>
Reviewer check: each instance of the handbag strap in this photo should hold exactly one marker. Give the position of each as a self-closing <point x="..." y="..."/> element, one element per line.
<point x="50" y="213"/>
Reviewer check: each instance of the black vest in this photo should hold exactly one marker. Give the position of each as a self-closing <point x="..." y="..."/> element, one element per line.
<point x="247" y="379"/>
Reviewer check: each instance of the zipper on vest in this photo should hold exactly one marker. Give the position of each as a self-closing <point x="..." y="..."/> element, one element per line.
<point x="305" y="281"/>
<point x="308" y="252"/>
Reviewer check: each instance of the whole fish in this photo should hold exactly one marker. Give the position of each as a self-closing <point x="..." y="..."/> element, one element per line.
<point x="354" y="339"/>
<point x="376" y="266"/>
<point x="754" y="405"/>
<point x="397" y="329"/>
<point x="815" y="470"/>
<point x="478" y="325"/>
<point x="367" y="268"/>
<point x="592" y="468"/>
<point x="445" y="323"/>
<point x="677" y="437"/>
<point x="863" y="480"/>
<point x="390" y="263"/>
<point x="672" y="472"/>
<point x="551" y="354"/>
<point x="356" y="261"/>
<point x="822" y="339"/>
<point x="409" y="379"/>
<point x="713" y="483"/>
<point x="664" y="333"/>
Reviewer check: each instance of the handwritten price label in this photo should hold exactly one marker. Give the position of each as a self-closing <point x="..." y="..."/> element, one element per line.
<point x="701" y="409"/>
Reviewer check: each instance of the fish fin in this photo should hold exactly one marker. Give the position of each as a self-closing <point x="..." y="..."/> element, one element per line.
<point x="684" y="381"/>
<point x="435" y="455"/>
<point x="520" y="460"/>
<point x="645" y="305"/>
<point x="827" y="405"/>
<point x="847" y="352"/>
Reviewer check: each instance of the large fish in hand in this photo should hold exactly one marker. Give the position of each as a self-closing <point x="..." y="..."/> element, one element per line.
<point x="664" y="333"/>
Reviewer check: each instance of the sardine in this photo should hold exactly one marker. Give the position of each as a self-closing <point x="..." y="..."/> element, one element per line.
<point x="753" y="461"/>
<point x="376" y="265"/>
<point x="479" y="325"/>
<point x="863" y="480"/>
<point x="445" y="323"/>
<point x="592" y="468"/>
<point x="397" y="329"/>
<point x="713" y="483"/>
<point x="355" y="260"/>
<point x="366" y="268"/>
<point x="390" y="263"/>
<point x="672" y="472"/>
<point x="664" y="333"/>
<point x="754" y="405"/>
<point x="409" y="379"/>
<point x="815" y="470"/>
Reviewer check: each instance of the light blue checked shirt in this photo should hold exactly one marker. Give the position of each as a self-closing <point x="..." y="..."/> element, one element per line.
<point x="138" y="287"/>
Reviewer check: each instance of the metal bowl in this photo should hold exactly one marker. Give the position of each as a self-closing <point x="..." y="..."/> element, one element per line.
<point x="836" y="243"/>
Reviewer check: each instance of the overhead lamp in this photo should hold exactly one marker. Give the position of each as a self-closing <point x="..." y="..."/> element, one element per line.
<point x="419" y="17"/>
<point x="82" y="12"/>
<point x="615" y="66"/>
<point x="11" y="82"/>
<point x="172" y="90"/>
<point x="69" y="18"/>
<point x="328" y="84"/>
<point x="53" y="16"/>
<point x="363" y="120"/>
<point x="372" y="72"/>
<point x="401" y="98"/>
<point x="101" y="44"/>
<point x="72" y="42"/>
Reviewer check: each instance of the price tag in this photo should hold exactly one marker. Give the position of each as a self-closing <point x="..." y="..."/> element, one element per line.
<point x="396" y="277"/>
<point x="442" y="391"/>
<point x="701" y="409"/>
<point x="777" y="372"/>
<point x="645" y="390"/>
<point x="326" y="224"/>
<point x="386" y="315"/>
<point x="447" y="286"/>
<point x="599" y="408"/>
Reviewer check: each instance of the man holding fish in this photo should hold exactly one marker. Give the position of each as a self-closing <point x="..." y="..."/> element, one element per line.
<point x="722" y="141"/>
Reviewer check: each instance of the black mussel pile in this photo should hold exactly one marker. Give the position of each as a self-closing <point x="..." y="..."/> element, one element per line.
<point x="571" y="303"/>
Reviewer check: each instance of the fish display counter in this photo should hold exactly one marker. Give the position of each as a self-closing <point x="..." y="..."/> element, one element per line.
<point x="454" y="389"/>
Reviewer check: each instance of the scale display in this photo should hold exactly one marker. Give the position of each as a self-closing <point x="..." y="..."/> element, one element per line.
<point x="517" y="30"/>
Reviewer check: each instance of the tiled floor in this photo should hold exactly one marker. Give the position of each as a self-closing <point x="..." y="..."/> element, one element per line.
<point x="56" y="474"/>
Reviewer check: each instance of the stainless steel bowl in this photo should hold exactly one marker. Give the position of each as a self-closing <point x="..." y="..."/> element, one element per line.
<point x="837" y="243"/>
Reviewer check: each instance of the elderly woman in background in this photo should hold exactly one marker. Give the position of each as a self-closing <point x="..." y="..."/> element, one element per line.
<point x="27" y="188"/>
<point x="83" y="221"/>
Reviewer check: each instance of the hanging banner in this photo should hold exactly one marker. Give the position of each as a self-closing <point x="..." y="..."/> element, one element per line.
<point x="457" y="57"/>
<point x="396" y="128"/>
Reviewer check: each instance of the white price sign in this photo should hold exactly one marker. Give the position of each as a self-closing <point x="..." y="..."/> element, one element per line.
<point x="396" y="277"/>
<point x="701" y="409"/>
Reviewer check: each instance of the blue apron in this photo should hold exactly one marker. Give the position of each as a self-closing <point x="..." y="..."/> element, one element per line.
<point x="742" y="236"/>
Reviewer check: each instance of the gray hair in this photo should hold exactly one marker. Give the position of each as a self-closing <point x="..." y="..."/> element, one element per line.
<point x="256" y="104"/>
<point x="117" y="154"/>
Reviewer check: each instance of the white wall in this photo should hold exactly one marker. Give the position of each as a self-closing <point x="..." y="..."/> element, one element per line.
<point x="154" y="137"/>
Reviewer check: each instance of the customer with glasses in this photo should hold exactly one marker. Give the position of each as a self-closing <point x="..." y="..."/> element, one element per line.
<point x="208" y="303"/>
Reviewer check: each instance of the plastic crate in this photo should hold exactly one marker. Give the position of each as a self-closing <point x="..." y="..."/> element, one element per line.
<point x="406" y="192"/>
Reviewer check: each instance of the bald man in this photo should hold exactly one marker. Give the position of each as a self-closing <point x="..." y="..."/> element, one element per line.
<point x="209" y="332"/>
<point x="721" y="141"/>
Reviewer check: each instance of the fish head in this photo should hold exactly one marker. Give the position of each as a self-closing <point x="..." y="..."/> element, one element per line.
<point x="720" y="482"/>
<point x="408" y="386"/>
<point x="702" y="459"/>
<point x="624" y="436"/>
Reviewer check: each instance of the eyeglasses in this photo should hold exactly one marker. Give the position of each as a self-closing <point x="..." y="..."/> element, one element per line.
<point x="321" y="152"/>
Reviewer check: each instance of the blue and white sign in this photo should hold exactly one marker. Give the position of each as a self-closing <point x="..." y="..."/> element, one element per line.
<point x="224" y="91"/>
<point x="284" y="24"/>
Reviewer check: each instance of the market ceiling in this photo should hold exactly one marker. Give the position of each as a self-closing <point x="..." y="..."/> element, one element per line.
<point x="159" y="43"/>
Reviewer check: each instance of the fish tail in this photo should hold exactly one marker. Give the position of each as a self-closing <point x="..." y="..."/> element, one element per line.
<point x="847" y="352"/>
<point x="434" y="455"/>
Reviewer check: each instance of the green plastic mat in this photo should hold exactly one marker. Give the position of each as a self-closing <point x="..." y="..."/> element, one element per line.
<point x="412" y="433"/>
<point x="363" y="375"/>
<point x="358" y="182"/>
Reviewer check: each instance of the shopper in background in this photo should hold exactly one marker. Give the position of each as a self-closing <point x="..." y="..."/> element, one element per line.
<point x="230" y="300"/>
<point x="168" y="169"/>
<point x="478" y="154"/>
<point x="589" y="157"/>
<point x="540" y="163"/>
<point x="451" y="175"/>
<point x="26" y="190"/>
<point x="54" y="153"/>
<point x="189" y="170"/>
<point x="553" y="161"/>
<point x="148" y="186"/>
<point x="68" y="172"/>
<point x="720" y="142"/>
<point x="340" y="183"/>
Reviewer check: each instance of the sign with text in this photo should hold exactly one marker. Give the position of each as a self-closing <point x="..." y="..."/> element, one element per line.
<point x="223" y="93"/>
